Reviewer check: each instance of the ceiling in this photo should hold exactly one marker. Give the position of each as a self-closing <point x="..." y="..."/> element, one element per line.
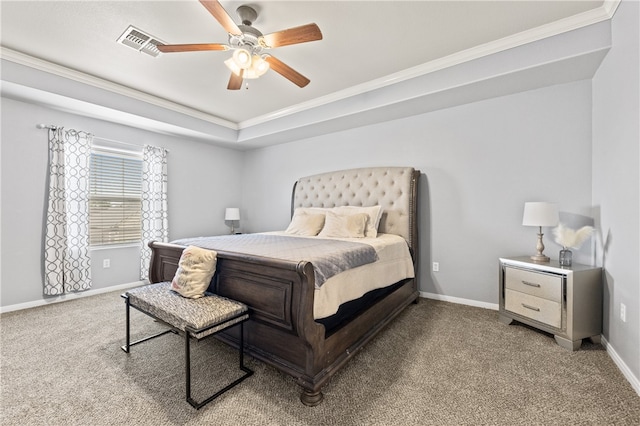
<point x="365" y="45"/>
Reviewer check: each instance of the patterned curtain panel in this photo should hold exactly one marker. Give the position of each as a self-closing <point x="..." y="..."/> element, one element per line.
<point x="67" y="264"/>
<point x="155" y="225"/>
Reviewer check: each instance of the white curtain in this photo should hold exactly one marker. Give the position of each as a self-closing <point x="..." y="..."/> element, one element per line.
<point x="67" y="263"/>
<point x="154" y="203"/>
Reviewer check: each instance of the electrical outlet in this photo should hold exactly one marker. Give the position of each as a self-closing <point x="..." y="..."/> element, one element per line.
<point x="106" y="263"/>
<point x="623" y="312"/>
<point x="436" y="266"/>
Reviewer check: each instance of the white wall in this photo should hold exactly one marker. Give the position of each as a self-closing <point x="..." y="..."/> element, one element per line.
<point x="480" y="163"/>
<point x="616" y="182"/>
<point x="203" y="180"/>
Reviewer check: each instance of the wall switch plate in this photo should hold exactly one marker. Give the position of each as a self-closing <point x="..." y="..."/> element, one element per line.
<point x="623" y="312"/>
<point x="436" y="266"/>
<point x="106" y="263"/>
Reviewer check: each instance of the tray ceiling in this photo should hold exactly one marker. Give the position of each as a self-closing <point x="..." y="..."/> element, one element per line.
<point x="365" y="42"/>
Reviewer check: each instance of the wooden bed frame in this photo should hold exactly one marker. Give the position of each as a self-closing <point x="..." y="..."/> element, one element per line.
<point x="282" y="331"/>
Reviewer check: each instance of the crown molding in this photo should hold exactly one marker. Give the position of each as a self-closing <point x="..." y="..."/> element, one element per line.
<point x="90" y="80"/>
<point x="40" y="97"/>
<point x="593" y="16"/>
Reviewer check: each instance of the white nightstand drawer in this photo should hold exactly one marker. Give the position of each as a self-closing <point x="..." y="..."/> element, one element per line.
<point x="536" y="308"/>
<point x="534" y="283"/>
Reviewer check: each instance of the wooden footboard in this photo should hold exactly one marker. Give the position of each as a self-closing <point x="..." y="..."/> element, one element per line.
<point x="281" y="330"/>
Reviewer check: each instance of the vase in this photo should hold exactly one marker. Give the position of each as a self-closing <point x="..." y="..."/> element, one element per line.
<point x="565" y="257"/>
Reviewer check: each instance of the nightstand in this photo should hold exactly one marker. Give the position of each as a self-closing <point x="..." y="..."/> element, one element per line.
<point x="563" y="301"/>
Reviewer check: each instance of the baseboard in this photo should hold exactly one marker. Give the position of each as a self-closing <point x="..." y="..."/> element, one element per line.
<point x="67" y="297"/>
<point x="459" y="300"/>
<point x="626" y="371"/>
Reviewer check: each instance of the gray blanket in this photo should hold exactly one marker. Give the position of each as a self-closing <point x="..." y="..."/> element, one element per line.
<point x="328" y="257"/>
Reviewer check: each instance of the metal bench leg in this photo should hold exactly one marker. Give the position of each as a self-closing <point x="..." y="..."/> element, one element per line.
<point x="128" y="344"/>
<point x="187" y="352"/>
<point x="241" y="350"/>
<point x="187" y="369"/>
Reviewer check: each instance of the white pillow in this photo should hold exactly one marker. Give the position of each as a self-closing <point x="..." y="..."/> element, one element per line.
<point x="305" y="224"/>
<point x="195" y="270"/>
<point x="374" y="213"/>
<point x="344" y="226"/>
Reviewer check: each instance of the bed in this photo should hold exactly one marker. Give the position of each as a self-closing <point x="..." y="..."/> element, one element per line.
<point x="289" y="328"/>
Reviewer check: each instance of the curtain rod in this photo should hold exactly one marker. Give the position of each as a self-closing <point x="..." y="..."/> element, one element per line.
<point x="54" y="127"/>
<point x="46" y="126"/>
<point x="118" y="142"/>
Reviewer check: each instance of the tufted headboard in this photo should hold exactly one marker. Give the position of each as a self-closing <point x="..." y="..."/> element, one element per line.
<point x="394" y="188"/>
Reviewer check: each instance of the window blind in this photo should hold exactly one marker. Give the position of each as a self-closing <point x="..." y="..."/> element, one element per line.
<point x="115" y="197"/>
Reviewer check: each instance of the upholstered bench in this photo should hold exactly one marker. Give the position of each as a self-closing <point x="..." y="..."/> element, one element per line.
<point x="191" y="318"/>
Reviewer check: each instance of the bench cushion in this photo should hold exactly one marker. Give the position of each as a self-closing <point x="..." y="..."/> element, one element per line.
<point x="163" y="303"/>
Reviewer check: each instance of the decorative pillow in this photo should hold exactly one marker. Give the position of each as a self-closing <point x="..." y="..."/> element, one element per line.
<point x="344" y="226"/>
<point x="374" y="213"/>
<point x="305" y="224"/>
<point x="195" y="270"/>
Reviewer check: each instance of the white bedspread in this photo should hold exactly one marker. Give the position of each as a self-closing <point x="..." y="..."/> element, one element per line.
<point x="394" y="264"/>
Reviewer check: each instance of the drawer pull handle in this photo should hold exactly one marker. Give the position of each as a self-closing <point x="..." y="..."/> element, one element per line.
<point x="533" y="308"/>
<point x="530" y="284"/>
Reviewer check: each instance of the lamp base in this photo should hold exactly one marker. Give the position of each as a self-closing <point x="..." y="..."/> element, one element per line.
<point x="540" y="258"/>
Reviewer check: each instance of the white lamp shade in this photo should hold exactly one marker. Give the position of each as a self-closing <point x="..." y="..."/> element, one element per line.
<point x="242" y="57"/>
<point x="232" y="213"/>
<point x="540" y="214"/>
<point x="258" y="67"/>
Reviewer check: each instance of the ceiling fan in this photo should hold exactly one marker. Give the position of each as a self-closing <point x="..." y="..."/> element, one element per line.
<point x="248" y="45"/>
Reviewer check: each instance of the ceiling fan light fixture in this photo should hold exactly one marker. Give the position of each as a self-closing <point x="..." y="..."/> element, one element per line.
<point x="242" y="58"/>
<point x="260" y="65"/>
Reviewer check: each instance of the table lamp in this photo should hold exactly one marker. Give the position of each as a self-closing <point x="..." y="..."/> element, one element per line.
<point x="540" y="214"/>
<point x="232" y="214"/>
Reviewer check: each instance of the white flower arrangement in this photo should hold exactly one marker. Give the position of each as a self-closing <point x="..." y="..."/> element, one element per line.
<point x="570" y="238"/>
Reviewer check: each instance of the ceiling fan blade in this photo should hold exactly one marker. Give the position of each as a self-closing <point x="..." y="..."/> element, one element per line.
<point x="235" y="81"/>
<point x="286" y="71"/>
<point x="169" y="48"/>
<point x="302" y="34"/>
<point x="221" y="15"/>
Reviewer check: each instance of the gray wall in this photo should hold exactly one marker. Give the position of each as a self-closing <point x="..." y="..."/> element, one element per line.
<point x="480" y="163"/>
<point x="616" y="182"/>
<point x="203" y="180"/>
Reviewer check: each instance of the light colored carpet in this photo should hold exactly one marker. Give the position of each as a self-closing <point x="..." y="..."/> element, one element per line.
<point x="437" y="364"/>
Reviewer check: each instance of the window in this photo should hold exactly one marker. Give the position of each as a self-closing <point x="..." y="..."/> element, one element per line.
<point x="115" y="204"/>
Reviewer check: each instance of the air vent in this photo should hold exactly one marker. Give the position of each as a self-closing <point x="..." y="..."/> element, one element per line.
<point x="140" y="41"/>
